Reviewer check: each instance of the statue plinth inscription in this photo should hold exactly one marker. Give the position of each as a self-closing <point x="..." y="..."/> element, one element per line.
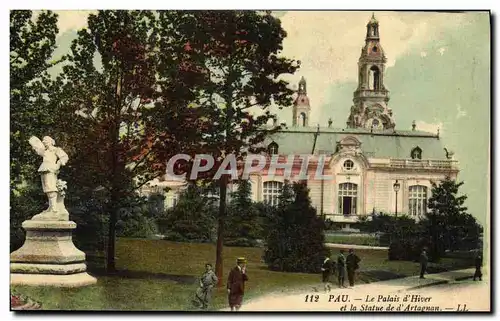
<point x="48" y="256"/>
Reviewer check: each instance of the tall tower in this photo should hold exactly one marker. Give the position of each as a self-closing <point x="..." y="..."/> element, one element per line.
<point x="301" y="107"/>
<point x="371" y="97"/>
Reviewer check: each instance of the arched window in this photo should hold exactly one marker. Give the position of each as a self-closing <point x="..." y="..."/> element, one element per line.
<point x="303" y="119"/>
<point x="272" y="148"/>
<point x="417" y="200"/>
<point x="271" y="192"/>
<point x="348" y="195"/>
<point x="374" y="78"/>
<point x="416" y="153"/>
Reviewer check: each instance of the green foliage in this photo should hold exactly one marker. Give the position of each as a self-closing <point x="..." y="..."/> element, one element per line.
<point x="243" y="226"/>
<point x="132" y="222"/>
<point x="295" y="239"/>
<point x="446" y="227"/>
<point x="27" y="202"/>
<point x="405" y="237"/>
<point x="32" y="43"/>
<point x="448" y="223"/>
<point x="191" y="220"/>
<point x="89" y="213"/>
<point x="140" y="221"/>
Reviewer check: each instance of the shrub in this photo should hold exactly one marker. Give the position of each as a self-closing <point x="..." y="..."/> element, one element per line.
<point x="191" y="220"/>
<point x="295" y="240"/>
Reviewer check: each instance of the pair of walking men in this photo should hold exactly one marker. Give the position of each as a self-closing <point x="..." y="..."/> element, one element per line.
<point x="235" y="285"/>
<point x="344" y="264"/>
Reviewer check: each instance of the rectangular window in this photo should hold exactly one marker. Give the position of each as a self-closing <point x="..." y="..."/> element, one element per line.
<point x="271" y="192"/>
<point x="417" y="200"/>
<point x="347" y="199"/>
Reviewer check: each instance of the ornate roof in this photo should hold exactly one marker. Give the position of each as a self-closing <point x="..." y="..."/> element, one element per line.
<point x="379" y="144"/>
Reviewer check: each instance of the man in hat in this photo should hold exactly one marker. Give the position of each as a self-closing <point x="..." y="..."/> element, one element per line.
<point x="352" y="264"/>
<point x="478" y="263"/>
<point x="423" y="263"/>
<point x="341" y="268"/>
<point x="236" y="284"/>
<point x="204" y="292"/>
<point x="327" y="269"/>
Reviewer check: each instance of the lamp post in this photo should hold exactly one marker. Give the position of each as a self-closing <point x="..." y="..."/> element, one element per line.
<point x="396" y="187"/>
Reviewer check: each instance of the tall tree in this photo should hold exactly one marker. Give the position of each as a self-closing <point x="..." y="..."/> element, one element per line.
<point x="32" y="44"/>
<point x="449" y="224"/>
<point x="128" y="85"/>
<point x="295" y="240"/>
<point x="239" y="51"/>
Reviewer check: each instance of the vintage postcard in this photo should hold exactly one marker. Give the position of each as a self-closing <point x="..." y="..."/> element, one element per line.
<point x="222" y="160"/>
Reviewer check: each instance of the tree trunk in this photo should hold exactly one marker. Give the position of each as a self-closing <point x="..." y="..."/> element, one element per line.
<point x="220" y="230"/>
<point x="110" y="258"/>
<point x="116" y="184"/>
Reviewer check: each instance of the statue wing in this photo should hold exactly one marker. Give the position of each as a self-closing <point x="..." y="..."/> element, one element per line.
<point x="37" y="145"/>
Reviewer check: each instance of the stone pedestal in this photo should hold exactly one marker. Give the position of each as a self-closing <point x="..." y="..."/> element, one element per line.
<point x="48" y="257"/>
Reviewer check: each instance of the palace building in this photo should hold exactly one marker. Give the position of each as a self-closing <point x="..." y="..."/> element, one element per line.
<point x="375" y="166"/>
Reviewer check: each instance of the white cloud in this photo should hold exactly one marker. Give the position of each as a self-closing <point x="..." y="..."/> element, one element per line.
<point x="460" y="112"/>
<point x="329" y="43"/>
<point x="442" y="50"/>
<point x="429" y="127"/>
<point x="72" y="19"/>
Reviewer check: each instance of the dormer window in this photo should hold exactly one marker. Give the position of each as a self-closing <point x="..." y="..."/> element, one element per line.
<point x="273" y="148"/>
<point x="416" y="153"/>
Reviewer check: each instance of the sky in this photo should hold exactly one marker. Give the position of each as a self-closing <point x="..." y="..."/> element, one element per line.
<point x="437" y="72"/>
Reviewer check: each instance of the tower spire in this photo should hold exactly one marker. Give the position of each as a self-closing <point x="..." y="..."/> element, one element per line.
<point x="302" y="86"/>
<point x="370" y="109"/>
<point x="301" y="106"/>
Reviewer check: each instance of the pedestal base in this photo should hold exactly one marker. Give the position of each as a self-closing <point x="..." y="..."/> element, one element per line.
<point x="68" y="281"/>
<point x="48" y="257"/>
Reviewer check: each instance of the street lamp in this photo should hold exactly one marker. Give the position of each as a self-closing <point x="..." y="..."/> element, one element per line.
<point x="396" y="187"/>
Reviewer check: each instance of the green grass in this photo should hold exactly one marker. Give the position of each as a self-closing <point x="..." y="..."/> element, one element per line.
<point x="170" y="259"/>
<point x="369" y="240"/>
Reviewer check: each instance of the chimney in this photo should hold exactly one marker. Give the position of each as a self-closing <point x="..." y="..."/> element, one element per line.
<point x="413" y="125"/>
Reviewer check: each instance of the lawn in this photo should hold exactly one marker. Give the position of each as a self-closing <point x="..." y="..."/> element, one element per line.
<point x="357" y="239"/>
<point x="162" y="275"/>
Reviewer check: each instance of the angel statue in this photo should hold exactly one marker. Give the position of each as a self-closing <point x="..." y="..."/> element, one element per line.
<point x="53" y="158"/>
